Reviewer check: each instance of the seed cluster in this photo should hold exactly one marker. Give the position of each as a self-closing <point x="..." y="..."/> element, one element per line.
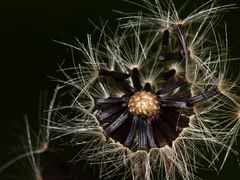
<point x="144" y="104"/>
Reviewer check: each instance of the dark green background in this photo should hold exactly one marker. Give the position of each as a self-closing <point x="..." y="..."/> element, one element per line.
<point x="28" y="55"/>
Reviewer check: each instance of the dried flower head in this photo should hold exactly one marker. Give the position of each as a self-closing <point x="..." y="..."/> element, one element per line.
<point x="151" y="101"/>
<point x="143" y="97"/>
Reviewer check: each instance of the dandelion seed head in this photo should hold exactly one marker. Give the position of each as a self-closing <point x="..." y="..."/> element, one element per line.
<point x="147" y="98"/>
<point x="150" y="115"/>
<point x="144" y="126"/>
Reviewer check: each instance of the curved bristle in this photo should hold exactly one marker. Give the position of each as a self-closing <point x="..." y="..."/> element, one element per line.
<point x="149" y="132"/>
<point x="116" y="123"/>
<point x="165" y="38"/>
<point x="172" y="87"/>
<point x="147" y="87"/>
<point x="142" y="136"/>
<point x="135" y="78"/>
<point x="110" y="100"/>
<point x="114" y="74"/>
<point x="108" y="113"/>
<point x="170" y="56"/>
<point x="132" y="132"/>
<point x="167" y="75"/>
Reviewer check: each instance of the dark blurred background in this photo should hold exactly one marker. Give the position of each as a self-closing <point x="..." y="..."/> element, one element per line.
<point x="28" y="56"/>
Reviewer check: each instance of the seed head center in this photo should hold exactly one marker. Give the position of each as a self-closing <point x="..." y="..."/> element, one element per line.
<point x="144" y="104"/>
